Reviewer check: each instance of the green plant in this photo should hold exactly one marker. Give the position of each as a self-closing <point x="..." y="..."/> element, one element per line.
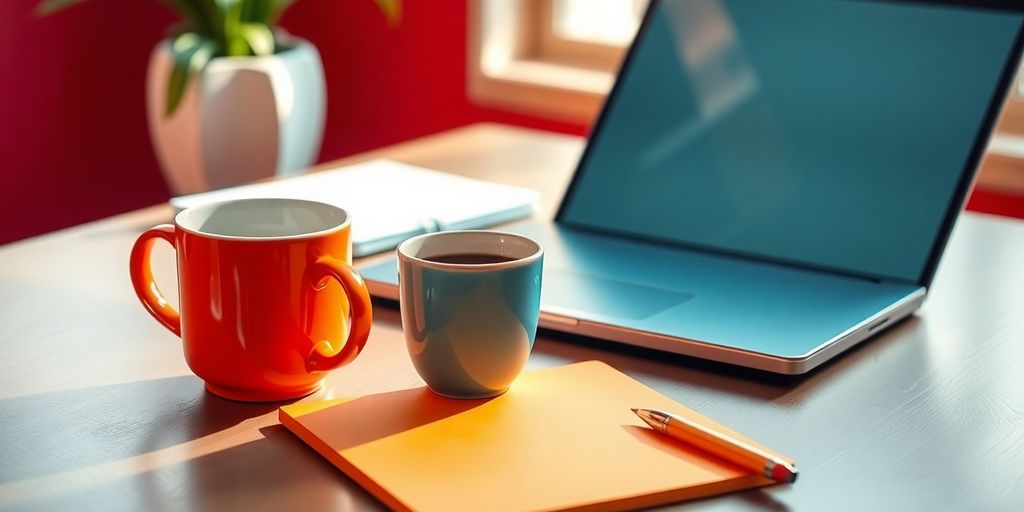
<point x="219" y="28"/>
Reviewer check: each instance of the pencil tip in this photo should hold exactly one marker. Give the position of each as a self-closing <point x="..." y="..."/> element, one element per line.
<point x="635" y="410"/>
<point x="784" y="473"/>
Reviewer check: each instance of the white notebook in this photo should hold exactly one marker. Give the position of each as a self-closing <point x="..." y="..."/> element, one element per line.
<point x="391" y="201"/>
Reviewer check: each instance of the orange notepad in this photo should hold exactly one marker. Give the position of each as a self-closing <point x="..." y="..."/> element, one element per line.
<point x="560" y="439"/>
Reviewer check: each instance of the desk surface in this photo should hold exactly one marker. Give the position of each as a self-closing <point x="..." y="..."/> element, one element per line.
<point x="99" y="412"/>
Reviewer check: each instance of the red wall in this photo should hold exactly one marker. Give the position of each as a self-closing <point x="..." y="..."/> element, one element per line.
<point x="73" y="143"/>
<point x="73" y="139"/>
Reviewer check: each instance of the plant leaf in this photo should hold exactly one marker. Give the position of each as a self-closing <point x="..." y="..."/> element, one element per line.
<point x="190" y="53"/>
<point x="232" y="14"/>
<point x="259" y="37"/>
<point x="215" y="19"/>
<point x="48" y="6"/>
<point x="258" y="11"/>
<point x="185" y="42"/>
<point x="392" y="10"/>
<point x="279" y="7"/>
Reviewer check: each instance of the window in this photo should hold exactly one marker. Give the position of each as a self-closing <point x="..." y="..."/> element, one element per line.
<point x="551" y="57"/>
<point x="587" y="32"/>
<point x="1003" y="170"/>
<point x="608" y="22"/>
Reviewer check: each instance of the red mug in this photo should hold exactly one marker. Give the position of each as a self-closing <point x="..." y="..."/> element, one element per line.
<point x="268" y="294"/>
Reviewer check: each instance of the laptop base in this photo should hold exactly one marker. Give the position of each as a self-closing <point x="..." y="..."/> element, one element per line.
<point x="754" y="314"/>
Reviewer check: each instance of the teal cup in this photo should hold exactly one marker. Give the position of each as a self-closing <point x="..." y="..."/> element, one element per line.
<point x="470" y="303"/>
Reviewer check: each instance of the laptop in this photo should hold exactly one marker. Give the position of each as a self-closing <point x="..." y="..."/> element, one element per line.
<point x="771" y="182"/>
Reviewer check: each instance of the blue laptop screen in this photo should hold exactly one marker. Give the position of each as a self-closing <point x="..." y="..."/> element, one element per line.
<point x="831" y="133"/>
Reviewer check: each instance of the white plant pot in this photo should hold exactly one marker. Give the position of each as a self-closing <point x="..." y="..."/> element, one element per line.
<point x="240" y="120"/>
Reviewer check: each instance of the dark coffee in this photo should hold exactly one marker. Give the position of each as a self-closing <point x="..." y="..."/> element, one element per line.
<point x="469" y="259"/>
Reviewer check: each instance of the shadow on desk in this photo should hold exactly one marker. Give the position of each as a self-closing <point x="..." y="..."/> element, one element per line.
<point x="278" y="473"/>
<point x="67" y="430"/>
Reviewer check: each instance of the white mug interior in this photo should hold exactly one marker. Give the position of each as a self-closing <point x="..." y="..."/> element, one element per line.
<point x="262" y="219"/>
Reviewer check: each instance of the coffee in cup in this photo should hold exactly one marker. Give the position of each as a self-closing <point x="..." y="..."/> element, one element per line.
<point x="470" y="304"/>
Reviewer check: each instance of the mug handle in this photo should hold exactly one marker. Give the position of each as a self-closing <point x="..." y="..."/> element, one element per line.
<point x="142" y="277"/>
<point x="324" y="355"/>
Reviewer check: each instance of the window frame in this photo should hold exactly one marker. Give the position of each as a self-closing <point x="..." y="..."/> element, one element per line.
<point x="1002" y="169"/>
<point x="530" y="68"/>
<point x="552" y="47"/>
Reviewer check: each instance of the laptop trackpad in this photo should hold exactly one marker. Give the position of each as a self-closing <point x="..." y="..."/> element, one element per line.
<point x="606" y="297"/>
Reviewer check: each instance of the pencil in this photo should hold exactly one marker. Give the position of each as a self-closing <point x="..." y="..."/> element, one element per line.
<point x="720" y="444"/>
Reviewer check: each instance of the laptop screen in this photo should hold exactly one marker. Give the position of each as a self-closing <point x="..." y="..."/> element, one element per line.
<point x="832" y="134"/>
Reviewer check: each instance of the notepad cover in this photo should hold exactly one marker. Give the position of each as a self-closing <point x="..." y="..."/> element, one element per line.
<point x="561" y="438"/>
